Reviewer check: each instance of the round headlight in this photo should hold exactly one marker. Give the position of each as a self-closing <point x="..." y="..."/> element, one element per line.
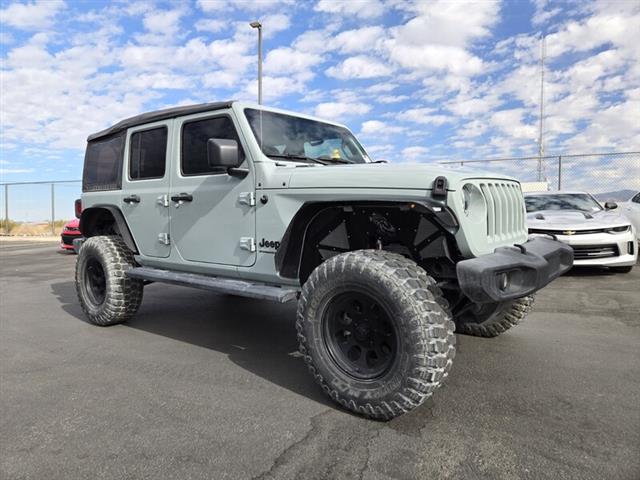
<point x="473" y="203"/>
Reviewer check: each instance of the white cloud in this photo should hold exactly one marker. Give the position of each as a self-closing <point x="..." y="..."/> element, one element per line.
<point x="210" y="25"/>
<point x="364" y="9"/>
<point x="9" y="171"/>
<point x="285" y="60"/>
<point x="339" y="110"/>
<point x="415" y="153"/>
<point x="359" y="40"/>
<point x="359" y="66"/>
<point x="424" y="116"/>
<point x="216" y="6"/>
<point x="542" y="14"/>
<point x="376" y="127"/>
<point x="438" y="37"/>
<point x="392" y="98"/>
<point x="511" y="123"/>
<point x="31" y="15"/>
<point x="274" y="87"/>
<point x="275" y="23"/>
<point x="165" y="22"/>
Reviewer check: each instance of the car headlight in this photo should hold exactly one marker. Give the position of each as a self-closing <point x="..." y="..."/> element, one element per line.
<point x="473" y="202"/>
<point x="623" y="229"/>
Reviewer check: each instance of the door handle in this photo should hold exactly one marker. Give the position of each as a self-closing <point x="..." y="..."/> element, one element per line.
<point x="183" y="197"/>
<point x="131" y="199"/>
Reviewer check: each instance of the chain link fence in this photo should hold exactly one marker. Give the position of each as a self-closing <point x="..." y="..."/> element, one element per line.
<point x="613" y="175"/>
<point x="41" y="208"/>
<point x="37" y="208"/>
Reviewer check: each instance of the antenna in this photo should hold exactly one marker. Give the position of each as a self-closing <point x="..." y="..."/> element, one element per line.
<point x="543" y="51"/>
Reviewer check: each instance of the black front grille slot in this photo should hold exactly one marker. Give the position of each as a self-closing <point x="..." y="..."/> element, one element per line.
<point x="589" y="252"/>
<point x="564" y="232"/>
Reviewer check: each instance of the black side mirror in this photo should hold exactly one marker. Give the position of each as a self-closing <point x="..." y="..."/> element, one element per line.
<point x="222" y="152"/>
<point x="610" y="205"/>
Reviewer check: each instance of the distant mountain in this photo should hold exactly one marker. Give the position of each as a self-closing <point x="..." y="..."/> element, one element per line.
<point x="618" y="196"/>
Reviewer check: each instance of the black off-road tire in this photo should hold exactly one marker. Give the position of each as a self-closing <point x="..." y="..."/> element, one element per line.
<point x="504" y="316"/>
<point x="417" y="312"/>
<point x="626" y="269"/>
<point x="118" y="298"/>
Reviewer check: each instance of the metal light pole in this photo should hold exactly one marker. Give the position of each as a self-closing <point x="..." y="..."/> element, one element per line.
<point x="258" y="25"/>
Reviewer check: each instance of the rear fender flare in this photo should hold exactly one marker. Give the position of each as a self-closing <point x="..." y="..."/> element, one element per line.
<point x="93" y="219"/>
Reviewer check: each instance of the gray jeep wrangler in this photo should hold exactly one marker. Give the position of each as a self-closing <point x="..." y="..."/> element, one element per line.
<point x="385" y="261"/>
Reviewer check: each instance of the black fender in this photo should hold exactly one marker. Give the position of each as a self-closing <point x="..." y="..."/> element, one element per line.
<point x="288" y="257"/>
<point x="96" y="220"/>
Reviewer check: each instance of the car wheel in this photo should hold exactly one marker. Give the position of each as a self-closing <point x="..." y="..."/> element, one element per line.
<point x="375" y="332"/>
<point x="107" y="296"/>
<point x="492" y="319"/>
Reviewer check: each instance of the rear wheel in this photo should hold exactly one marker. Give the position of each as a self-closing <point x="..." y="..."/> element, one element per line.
<point x="106" y="294"/>
<point x="491" y="319"/>
<point x="375" y="332"/>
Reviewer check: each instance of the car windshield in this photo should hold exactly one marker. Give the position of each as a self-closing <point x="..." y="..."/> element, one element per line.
<point x="300" y="139"/>
<point x="562" y="201"/>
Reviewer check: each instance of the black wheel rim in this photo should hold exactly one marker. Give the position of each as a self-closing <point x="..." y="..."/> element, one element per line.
<point x="95" y="282"/>
<point x="359" y="335"/>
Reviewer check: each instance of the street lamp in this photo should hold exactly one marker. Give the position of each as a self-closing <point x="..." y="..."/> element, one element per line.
<point x="258" y="25"/>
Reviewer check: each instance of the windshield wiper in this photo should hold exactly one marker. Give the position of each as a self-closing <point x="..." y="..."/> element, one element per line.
<point x="290" y="156"/>
<point x="333" y="160"/>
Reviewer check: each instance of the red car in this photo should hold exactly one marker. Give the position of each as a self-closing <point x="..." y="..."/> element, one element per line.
<point x="69" y="233"/>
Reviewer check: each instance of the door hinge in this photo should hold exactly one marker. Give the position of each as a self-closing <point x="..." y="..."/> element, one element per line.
<point x="163" y="200"/>
<point x="247" y="198"/>
<point x="164" y="238"/>
<point x="248" y="243"/>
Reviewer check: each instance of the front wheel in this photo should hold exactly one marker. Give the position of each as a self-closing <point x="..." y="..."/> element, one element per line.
<point x="491" y="319"/>
<point x="375" y="332"/>
<point x="106" y="294"/>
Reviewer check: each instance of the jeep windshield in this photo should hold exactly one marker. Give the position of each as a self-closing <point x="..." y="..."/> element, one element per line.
<point x="562" y="201"/>
<point x="299" y="139"/>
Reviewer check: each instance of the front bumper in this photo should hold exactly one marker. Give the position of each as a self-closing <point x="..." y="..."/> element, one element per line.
<point x="68" y="240"/>
<point x="602" y="249"/>
<point x="514" y="272"/>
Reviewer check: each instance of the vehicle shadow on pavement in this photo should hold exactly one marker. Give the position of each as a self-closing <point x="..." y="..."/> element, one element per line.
<point x="257" y="335"/>
<point x="590" y="272"/>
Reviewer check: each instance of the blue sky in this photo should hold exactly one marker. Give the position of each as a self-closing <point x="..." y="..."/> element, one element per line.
<point x="416" y="81"/>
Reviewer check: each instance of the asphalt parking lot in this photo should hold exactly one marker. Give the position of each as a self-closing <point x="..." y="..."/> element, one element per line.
<point x="201" y="385"/>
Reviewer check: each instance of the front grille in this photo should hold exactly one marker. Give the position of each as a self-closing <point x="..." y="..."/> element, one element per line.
<point x="505" y="211"/>
<point x="565" y="232"/>
<point x="589" y="252"/>
<point x="68" y="239"/>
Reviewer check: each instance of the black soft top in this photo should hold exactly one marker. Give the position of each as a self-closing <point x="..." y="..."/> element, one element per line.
<point x="157" y="116"/>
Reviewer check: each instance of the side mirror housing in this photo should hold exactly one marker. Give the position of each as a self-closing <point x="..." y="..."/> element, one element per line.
<point x="222" y="152"/>
<point x="610" y="205"/>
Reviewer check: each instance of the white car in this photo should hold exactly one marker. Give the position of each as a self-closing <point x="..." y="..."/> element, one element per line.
<point x="632" y="211"/>
<point x="599" y="236"/>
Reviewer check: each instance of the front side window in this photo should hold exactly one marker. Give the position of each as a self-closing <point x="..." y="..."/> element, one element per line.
<point x="301" y="139"/>
<point x="103" y="164"/>
<point x="148" y="154"/>
<point x="195" y="135"/>
<point x="562" y="201"/>
<point x="636" y="199"/>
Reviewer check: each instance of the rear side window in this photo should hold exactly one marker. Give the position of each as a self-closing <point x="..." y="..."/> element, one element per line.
<point x="194" y="144"/>
<point x="103" y="164"/>
<point x="148" y="154"/>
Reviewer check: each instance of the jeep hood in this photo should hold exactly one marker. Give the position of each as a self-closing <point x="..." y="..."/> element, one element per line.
<point x="575" y="219"/>
<point x="381" y="175"/>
